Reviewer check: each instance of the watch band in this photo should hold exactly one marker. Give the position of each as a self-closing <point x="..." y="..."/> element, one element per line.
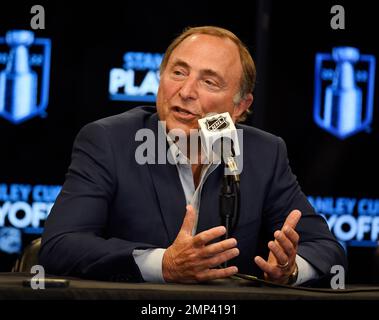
<point x="293" y="276"/>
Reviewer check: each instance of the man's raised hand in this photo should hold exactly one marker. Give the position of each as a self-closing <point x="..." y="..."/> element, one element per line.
<point x="191" y="259"/>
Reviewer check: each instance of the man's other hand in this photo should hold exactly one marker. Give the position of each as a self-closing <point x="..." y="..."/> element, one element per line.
<point x="281" y="260"/>
<point x="191" y="259"/>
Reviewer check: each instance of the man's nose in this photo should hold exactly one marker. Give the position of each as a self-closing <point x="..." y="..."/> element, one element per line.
<point x="188" y="89"/>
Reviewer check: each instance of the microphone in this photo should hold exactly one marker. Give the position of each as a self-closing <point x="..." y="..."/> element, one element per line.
<point x="219" y="140"/>
<point x="224" y="146"/>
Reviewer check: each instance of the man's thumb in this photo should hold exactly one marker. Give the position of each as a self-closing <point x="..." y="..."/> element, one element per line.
<point x="293" y="218"/>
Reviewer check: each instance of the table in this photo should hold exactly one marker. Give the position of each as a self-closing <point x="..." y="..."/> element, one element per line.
<point x="11" y="287"/>
<point x="239" y="292"/>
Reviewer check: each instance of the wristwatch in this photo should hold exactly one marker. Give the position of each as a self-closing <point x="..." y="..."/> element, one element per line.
<point x="293" y="276"/>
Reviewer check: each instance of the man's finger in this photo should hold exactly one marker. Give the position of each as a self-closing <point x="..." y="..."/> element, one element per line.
<point x="264" y="265"/>
<point x="204" y="237"/>
<point x="291" y="234"/>
<point x="219" y="247"/>
<point x="292" y="219"/>
<point x="221" y="258"/>
<point x="212" y="274"/>
<point x="286" y="244"/>
<point x="278" y="252"/>
<point x="189" y="220"/>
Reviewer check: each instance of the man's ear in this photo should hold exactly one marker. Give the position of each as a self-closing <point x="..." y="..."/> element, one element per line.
<point x="242" y="106"/>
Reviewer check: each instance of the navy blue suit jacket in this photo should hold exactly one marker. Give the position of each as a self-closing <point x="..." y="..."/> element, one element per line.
<point x="110" y="205"/>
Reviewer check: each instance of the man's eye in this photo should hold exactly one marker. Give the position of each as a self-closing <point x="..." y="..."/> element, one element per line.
<point x="210" y="83"/>
<point x="177" y="73"/>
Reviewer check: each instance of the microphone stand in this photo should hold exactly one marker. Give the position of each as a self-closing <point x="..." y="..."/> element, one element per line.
<point x="228" y="204"/>
<point x="230" y="199"/>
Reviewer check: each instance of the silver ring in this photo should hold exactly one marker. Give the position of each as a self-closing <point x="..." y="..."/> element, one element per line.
<point x="282" y="266"/>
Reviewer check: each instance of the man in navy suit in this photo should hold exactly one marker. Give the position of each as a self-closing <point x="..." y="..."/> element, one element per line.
<point x="117" y="219"/>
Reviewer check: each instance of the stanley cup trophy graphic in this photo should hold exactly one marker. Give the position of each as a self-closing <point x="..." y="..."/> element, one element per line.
<point x="18" y="83"/>
<point x="344" y="91"/>
<point x="343" y="99"/>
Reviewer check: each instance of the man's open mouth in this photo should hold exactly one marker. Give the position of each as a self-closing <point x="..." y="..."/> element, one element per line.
<point x="183" y="111"/>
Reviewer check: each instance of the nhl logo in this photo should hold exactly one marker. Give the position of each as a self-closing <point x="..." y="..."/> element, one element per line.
<point x="217" y="123"/>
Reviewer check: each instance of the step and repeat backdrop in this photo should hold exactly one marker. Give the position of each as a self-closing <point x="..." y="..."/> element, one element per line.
<point x="322" y="98"/>
<point x="63" y="65"/>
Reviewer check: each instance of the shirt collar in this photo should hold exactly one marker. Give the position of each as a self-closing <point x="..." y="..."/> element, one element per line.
<point x="180" y="158"/>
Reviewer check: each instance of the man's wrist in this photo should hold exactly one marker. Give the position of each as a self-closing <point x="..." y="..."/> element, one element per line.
<point x="167" y="266"/>
<point x="293" y="276"/>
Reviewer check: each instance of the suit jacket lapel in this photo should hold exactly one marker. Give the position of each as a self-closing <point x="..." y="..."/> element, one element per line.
<point x="209" y="215"/>
<point x="166" y="181"/>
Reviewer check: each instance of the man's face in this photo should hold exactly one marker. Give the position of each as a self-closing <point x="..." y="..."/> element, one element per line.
<point x="202" y="75"/>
